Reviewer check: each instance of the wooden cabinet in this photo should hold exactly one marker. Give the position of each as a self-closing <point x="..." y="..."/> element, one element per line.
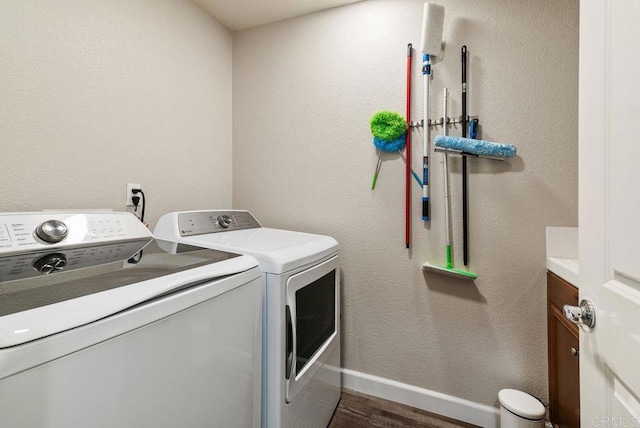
<point x="564" y="366"/>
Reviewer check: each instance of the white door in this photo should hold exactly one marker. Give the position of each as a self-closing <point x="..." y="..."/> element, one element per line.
<point x="313" y="302"/>
<point x="609" y="133"/>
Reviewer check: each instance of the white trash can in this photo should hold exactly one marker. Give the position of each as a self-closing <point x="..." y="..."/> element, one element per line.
<point x="520" y="410"/>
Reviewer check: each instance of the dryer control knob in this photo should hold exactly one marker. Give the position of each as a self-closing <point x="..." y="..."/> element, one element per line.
<point x="52" y="231"/>
<point x="224" y="221"/>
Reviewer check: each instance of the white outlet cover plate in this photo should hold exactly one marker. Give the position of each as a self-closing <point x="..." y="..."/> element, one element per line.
<point x="129" y="194"/>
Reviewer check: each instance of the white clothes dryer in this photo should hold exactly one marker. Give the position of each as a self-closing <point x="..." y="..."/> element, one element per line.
<point x="103" y="326"/>
<point x="301" y="278"/>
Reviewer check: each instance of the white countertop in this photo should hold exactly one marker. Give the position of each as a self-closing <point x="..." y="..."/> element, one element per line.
<point x="562" y="253"/>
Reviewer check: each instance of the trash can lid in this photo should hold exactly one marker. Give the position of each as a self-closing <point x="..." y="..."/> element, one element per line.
<point x="521" y="404"/>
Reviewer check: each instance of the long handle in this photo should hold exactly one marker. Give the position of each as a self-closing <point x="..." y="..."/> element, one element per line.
<point x="426" y="74"/>
<point x="407" y="214"/>
<point x="377" y="171"/>
<point x="464" y="91"/>
<point x="447" y="207"/>
<point x="465" y="196"/>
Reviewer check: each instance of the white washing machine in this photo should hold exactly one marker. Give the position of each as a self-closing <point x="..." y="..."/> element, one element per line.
<point x="301" y="277"/>
<point x="102" y="326"/>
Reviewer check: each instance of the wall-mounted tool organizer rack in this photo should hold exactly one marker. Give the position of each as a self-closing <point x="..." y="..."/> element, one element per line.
<point x="439" y="122"/>
<point x="465" y="145"/>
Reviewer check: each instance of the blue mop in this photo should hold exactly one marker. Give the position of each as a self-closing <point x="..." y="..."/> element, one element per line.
<point x="475" y="147"/>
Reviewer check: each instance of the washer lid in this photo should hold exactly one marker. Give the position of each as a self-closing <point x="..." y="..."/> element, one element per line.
<point x="521" y="404"/>
<point x="77" y="286"/>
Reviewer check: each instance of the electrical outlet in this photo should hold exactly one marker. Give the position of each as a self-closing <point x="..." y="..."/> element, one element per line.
<point x="130" y="187"/>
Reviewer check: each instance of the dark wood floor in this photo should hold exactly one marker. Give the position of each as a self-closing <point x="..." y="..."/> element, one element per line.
<point x="357" y="410"/>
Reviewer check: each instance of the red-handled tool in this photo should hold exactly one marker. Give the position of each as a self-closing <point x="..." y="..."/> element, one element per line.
<point x="407" y="219"/>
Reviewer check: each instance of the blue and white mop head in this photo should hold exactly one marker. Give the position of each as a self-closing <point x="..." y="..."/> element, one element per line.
<point x="475" y="147"/>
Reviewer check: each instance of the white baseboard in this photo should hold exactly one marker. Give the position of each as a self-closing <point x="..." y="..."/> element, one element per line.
<point x="431" y="401"/>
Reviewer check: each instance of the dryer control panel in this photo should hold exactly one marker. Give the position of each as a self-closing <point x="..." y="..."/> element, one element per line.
<point x="204" y="222"/>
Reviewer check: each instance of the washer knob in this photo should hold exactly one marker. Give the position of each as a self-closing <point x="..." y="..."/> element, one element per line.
<point x="224" y="221"/>
<point x="51" y="263"/>
<point x="52" y="231"/>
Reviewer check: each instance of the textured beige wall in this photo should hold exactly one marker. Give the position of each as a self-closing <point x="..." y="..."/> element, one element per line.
<point x="96" y="94"/>
<point x="303" y="93"/>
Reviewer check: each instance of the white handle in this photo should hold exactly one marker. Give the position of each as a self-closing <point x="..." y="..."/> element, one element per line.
<point x="446" y="171"/>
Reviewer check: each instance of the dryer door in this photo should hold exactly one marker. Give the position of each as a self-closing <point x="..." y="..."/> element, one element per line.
<point x="313" y="315"/>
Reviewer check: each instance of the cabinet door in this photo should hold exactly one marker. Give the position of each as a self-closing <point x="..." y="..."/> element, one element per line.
<point x="564" y="372"/>
<point x="564" y="365"/>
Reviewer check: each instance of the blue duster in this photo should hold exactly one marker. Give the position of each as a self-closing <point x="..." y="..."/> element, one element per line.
<point x="475" y="147"/>
<point x="390" y="145"/>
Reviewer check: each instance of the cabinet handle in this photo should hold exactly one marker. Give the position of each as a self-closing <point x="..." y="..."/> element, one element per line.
<point x="575" y="352"/>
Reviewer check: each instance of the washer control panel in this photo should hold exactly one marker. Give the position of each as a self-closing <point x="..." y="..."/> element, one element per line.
<point x="26" y="265"/>
<point x="35" y="231"/>
<point x="204" y="222"/>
